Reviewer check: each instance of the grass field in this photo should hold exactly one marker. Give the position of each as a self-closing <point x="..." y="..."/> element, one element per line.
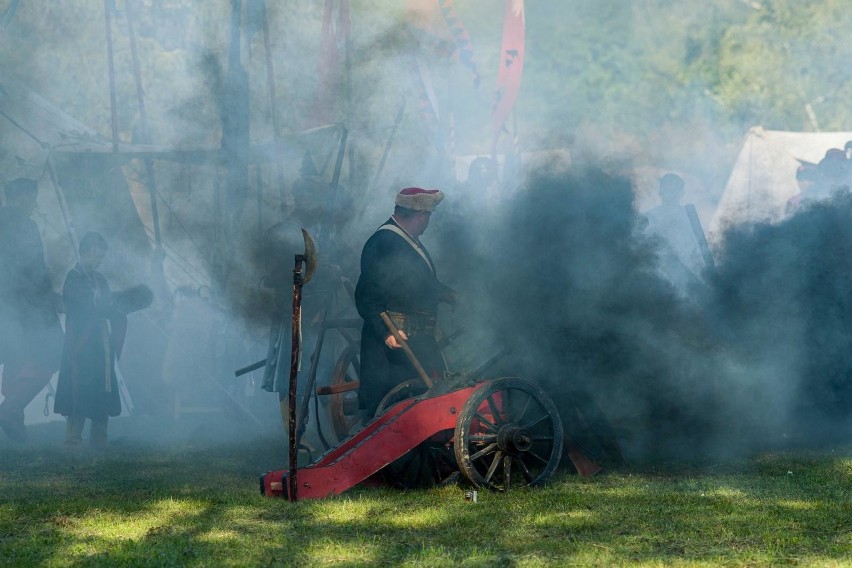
<point x="185" y="502"/>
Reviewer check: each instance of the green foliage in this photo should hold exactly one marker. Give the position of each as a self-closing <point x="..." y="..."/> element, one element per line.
<point x="786" y="56"/>
<point x="667" y="80"/>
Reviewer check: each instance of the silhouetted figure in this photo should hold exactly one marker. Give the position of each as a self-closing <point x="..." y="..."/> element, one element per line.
<point x="474" y="194"/>
<point x="833" y="173"/>
<point x="94" y="336"/>
<point x="847" y="149"/>
<point x="806" y="177"/>
<point x="399" y="277"/>
<point x="309" y="192"/>
<point x="321" y="208"/>
<point x="459" y="239"/>
<point x="30" y="334"/>
<point x="821" y="181"/>
<point x="678" y="251"/>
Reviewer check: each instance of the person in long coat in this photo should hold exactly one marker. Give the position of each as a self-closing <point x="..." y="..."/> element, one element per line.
<point x="399" y="277"/>
<point x="30" y="333"/>
<point x="94" y="336"/>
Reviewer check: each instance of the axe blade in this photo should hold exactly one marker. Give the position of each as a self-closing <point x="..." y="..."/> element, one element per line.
<point x="310" y="256"/>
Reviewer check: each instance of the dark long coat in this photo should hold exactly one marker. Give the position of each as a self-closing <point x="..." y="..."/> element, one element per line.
<point x="29" y="327"/>
<point x="94" y="334"/>
<point x="394" y="277"/>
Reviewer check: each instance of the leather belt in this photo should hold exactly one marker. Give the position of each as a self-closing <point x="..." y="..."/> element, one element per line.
<point x="414" y="323"/>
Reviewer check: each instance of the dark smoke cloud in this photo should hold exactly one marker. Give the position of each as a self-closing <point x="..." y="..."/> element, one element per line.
<point x="785" y="290"/>
<point x="577" y="293"/>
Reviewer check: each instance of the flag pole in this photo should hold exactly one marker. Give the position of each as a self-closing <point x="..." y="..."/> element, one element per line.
<point x="111" y="69"/>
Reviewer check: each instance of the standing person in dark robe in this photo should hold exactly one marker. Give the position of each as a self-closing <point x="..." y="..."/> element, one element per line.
<point x="94" y="336"/>
<point x="807" y="176"/>
<point x="399" y="277"/>
<point x="30" y="334"/>
<point x="678" y="250"/>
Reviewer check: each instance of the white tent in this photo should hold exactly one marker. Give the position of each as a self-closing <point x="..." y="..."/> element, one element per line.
<point x="764" y="175"/>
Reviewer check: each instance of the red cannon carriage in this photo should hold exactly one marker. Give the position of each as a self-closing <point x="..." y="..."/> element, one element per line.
<point x="497" y="433"/>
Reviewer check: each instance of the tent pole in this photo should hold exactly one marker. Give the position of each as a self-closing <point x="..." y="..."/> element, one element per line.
<point x="143" y="118"/>
<point x="270" y="87"/>
<point x="111" y="67"/>
<point x="63" y="205"/>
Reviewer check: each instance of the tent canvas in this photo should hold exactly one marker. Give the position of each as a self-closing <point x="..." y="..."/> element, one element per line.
<point x="764" y="175"/>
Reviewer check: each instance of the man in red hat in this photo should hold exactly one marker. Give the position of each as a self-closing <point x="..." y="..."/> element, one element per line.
<point x="399" y="277"/>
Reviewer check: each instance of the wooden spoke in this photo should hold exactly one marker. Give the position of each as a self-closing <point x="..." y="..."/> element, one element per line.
<point x="483" y="437"/>
<point x="524" y="411"/>
<point x="487" y="423"/>
<point x="524" y="469"/>
<point x="494" y="464"/>
<point x="495" y="412"/>
<point x="483" y="452"/>
<point x="525" y="436"/>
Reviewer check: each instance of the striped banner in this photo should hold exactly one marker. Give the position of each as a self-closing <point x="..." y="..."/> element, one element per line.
<point x="460" y="37"/>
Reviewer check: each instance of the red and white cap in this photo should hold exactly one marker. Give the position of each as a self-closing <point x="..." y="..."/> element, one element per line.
<point x="418" y="199"/>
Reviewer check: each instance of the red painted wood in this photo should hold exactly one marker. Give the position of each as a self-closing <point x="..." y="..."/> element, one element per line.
<point x="403" y="427"/>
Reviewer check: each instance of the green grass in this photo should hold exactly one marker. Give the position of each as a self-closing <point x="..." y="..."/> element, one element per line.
<point x="190" y="503"/>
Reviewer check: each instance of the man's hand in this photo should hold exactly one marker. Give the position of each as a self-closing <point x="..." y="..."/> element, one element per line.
<point x="391" y="341"/>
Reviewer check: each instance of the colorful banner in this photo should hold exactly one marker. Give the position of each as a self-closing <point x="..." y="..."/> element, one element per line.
<point x="511" y="67"/>
<point x="426" y="98"/>
<point x="460" y="37"/>
<point x="439" y="33"/>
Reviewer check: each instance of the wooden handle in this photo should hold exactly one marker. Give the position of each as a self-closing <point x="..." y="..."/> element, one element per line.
<point x="408" y="353"/>
<point x="337" y="389"/>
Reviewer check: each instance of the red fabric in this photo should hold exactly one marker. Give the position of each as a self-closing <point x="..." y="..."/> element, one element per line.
<point x="511" y="67"/>
<point x="424" y="15"/>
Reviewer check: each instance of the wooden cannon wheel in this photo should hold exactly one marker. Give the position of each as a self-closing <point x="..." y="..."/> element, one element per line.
<point x="343" y="401"/>
<point x="402" y="391"/>
<point x="428" y="464"/>
<point x="508" y="434"/>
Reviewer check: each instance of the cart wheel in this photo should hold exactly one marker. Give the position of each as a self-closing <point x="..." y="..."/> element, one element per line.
<point x="343" y="407"/>
<point x="430" y="463"/>
<point x="508" y="434"/>
<point x="402" y="391"/>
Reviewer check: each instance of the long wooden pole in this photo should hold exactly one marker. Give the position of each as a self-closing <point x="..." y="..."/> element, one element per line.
<point x="396" y="122"/>
<point x="111" y="67"/>
<point x="143" y="119"/>
<point x="295" y="356"/>
<point x="273" y="111"/>
<point x="63" y="206"/>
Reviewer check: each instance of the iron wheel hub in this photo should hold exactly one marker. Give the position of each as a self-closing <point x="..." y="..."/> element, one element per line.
<point x="512" y="439"/>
